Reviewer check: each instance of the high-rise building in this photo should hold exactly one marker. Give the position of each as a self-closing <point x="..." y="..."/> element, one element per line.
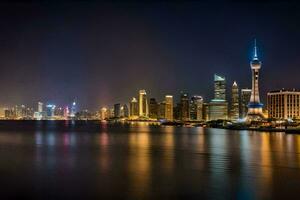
<point x="245" y="98"/>
<point x="205" y="111"/>
<point x="40" y="107"/>
<point x="143" y="104"/>
<point x="162" y="110"/>
<point x="220" y="87"/>
<point x="284" y="104"/>
<point x="134" y="108"/>
<point x="255" y="107"/>
<point x="184" y="107"/>
<point x="218" y="107"/>
<point x="117" y="110"/>
<point x="73" y="109"/>
<point x="153" y="108"/>
<point x="66" y="112"/>
<point x="50" y="111"/>
<point x="125" y="111"/>
<point x="234" y="111"/>
<point x="169" y="107"/>
<point x="196" y="108"/>
<point x="176" y="111"/>
<point x="103" y="113"/>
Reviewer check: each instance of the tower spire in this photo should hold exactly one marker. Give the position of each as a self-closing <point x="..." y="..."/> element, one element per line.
<point x="255" y="49"/>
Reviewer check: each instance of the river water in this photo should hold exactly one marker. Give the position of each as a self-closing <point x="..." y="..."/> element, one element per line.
<point x="142" y="161"/>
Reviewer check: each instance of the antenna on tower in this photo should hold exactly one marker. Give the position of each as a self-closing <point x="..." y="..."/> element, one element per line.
<point x="255" y="48"/>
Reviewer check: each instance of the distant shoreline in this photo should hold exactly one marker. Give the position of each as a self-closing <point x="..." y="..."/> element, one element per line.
<point x="87" y="125"/>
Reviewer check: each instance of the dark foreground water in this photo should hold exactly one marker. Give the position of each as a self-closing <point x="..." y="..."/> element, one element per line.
<point x="46" y="160"/>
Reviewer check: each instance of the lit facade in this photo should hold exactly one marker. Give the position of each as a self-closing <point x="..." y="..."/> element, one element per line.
<point x="125" y="111"/>
<point x="284" y="104"/>
<point x="220" y="87"/>
<point x="218" y="107"/>
<point x="169" y="107"/>
<point x="133" y="108"/>
<point x="103" y="113"/>
<point x="184" y="107"/>
<point x="196" y="108"/>
<point x="40" y="107"/>
<point x="234" y="111"/>
<point x="162" y="110"/>
<point x="117" y="110"/>
<point x="143" y="104"/>
<point x="153" y="108"/>
<point x="245" y="98"/>
<point x="218" y="110"/>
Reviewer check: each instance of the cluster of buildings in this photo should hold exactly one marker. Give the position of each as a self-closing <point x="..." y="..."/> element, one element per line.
<point x="242" y="105"/>
<point x="189" y="108"/>
<point x="43" y="112"/>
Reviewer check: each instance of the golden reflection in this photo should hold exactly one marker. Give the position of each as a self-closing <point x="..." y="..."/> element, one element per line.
<point x="266" y="162"/>
<point x="139" y="162"/>
<point x="104" y="154"/>
<point x="168" y="161"/>
<point x="201" y="140"/>
<point x="297" y="139"/>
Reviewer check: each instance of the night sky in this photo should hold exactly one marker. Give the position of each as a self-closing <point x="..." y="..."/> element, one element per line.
<point x="101" y="53"/>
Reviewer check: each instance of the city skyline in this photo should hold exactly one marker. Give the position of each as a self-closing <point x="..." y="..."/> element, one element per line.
<point x="54" y="54"/>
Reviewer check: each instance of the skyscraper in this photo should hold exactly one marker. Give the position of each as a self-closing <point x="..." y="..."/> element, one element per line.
<point x="125" y="111"/>
<point x="73" y="109"/>
<point x="153" y="108"/>
<point x="218" y="107"/>
<point x="234" y="111"/>
<point x="117" y="110"/>
<point x="220" y="87"/>
<point x="196" y="108"/>
<point x="245" y="98"/>
<point x="40" y="107"/>
<point x="255" y="107"/>
<point x="143" y="104"/>
<point x="134" y="108"/>
<point x="162" y="110"/>
<point x="184" y="107"/>
<point x="103" y="113"/>
<point x="169" y="108"/>
<point x="50" y="111"/>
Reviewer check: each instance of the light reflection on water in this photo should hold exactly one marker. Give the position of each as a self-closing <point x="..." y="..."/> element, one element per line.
<point x="150" y="162"/>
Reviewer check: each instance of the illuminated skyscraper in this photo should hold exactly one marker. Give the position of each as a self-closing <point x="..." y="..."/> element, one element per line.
<point x="66" y="112"/>
<point x="103" y="113"/>
<point x="255" y="107"/>
<point x="153" y="108"/>
<point x="125" y="111"/>
<point x="218" y="107"/>
<point x="40" y="107"/>
<point x="73" y="109"/>
<point x="184" y="107"/>
<point x="162" y="110"/>
<point x="245" y="98"/>
<point x="196" y="108"/>
<point x="133" y="108"/>
<point x="220" y="87"/>
<point x="50" y="111"/>
<point x="143" y="104"/>
<point x="169" y="107"/>
<point x="234" y="111"/>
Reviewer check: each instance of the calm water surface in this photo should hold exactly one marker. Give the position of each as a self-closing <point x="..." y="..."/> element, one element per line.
<point x="148" y="162"/>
